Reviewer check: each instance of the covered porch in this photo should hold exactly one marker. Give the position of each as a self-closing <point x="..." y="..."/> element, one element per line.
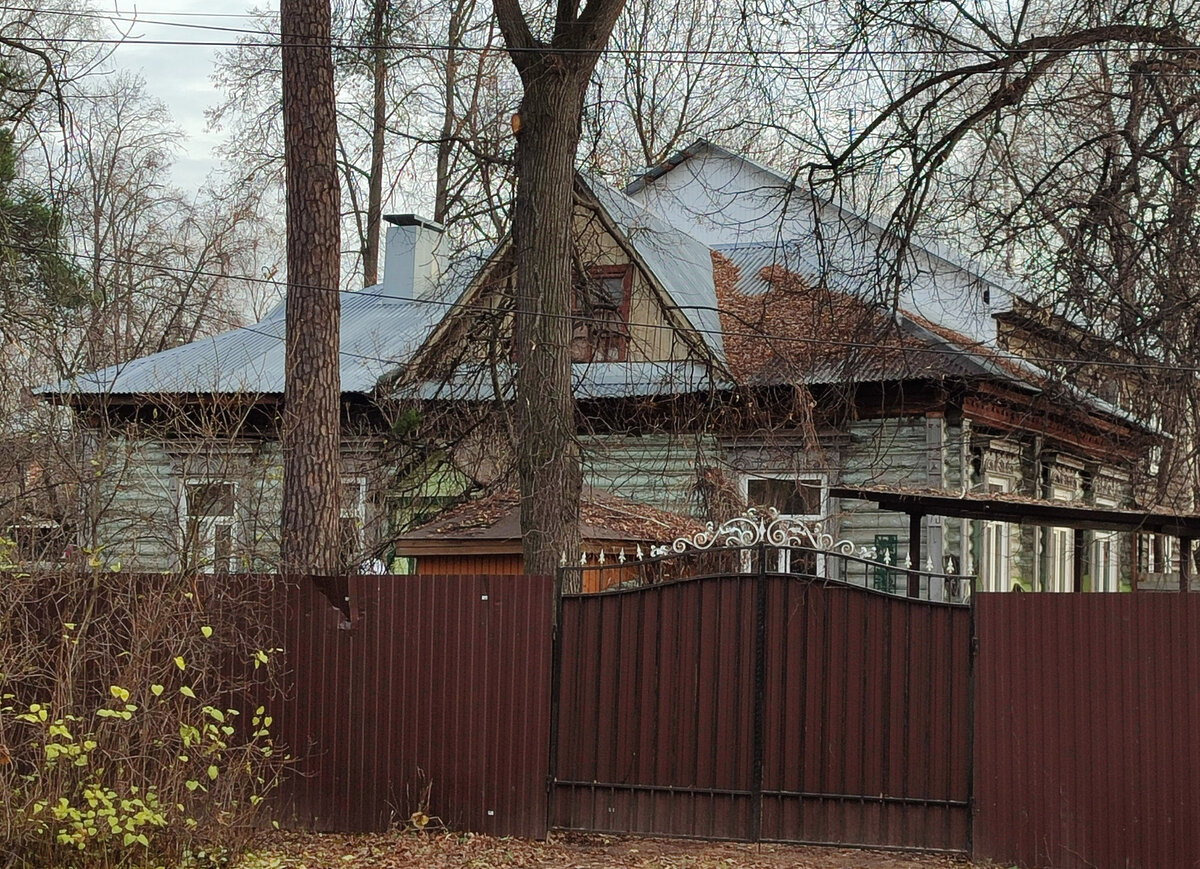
<point x="917" y="504"/>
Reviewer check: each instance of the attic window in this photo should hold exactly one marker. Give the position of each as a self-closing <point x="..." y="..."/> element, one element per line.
<point x="600" y="312"/>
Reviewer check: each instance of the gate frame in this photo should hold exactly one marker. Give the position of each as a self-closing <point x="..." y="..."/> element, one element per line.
<point x="761" y="534"/>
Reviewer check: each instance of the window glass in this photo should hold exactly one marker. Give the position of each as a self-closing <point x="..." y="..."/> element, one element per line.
<point x="209" y="535"/>
<point x="209" y="500"/>
<point x="600" y="309"/>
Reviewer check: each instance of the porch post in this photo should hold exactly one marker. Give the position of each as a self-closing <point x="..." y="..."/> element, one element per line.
<point x="1135" y="549"/>
<point x="1185" y="563"/>
<point x="914" y="554"/>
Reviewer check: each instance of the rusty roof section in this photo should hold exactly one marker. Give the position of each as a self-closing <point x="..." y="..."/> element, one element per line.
<point x="795" y="332"/>
<point x="604" y="517"/>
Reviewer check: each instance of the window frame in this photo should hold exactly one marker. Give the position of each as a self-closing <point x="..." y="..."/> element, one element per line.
<point x="624" y="271"/>
<point x="995" y="545"/>
<point x="201" y="551"/>
<point x="783" y="564"/>
<point x="356" y="512"/>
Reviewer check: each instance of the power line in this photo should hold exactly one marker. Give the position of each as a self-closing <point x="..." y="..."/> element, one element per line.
<point x="681" y="56"/>
<point x="968" y="347"/>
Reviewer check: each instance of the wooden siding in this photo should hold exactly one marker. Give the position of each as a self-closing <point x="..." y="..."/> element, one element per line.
<point x="650" y="339"/>
<point x="139" y="497"/>
<point x="887" y="452"/>
<point x="659" y="470"/>
<point x="450" y="565"/>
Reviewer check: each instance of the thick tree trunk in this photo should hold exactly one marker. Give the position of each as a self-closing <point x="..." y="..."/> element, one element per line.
<point x="547" y="450"/>
<point x="312" y="383"/>
<point x="554" y="74"/>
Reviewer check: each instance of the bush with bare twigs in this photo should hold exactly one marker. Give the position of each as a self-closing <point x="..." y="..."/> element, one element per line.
<point x="126" y="735"/>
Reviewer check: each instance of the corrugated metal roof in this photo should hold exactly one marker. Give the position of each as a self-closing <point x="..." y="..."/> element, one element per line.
<point x="681" y="264"/>
<point x="379" y="333"/>
<point x="496" y="517"/>
<point x="590" y="380"/>
<point x="815" y="329"/>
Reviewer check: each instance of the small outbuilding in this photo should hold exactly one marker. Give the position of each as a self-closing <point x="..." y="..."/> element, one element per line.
<point x="483" y="536"/>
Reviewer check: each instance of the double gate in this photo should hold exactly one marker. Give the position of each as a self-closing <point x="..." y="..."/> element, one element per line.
<point x="763" y="706"/>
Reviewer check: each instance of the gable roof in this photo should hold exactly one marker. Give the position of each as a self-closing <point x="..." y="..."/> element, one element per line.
<point x="681" y="265"/>
<point x="712" y="296"/>
<point x="850" y="246"/>
<point x="698" y="148"/>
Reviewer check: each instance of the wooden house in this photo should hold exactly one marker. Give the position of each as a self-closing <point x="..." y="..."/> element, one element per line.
<point x="734" y="344"/>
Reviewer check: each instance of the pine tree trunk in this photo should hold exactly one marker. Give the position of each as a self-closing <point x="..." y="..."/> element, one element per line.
<point x="379" y="37"/>
<point x="312" y="383"/>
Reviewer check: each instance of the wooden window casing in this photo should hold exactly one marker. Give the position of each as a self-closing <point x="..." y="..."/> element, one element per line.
<point x="600" y="315"/>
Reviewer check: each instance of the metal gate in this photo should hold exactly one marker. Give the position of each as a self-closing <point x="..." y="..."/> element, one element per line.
<point x="736" y="701"/>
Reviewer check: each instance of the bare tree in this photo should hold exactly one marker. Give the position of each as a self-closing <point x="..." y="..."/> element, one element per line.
<point x="555" y="68"/>
<point x="1058" y="141"/>
<point x="312" y="390"/>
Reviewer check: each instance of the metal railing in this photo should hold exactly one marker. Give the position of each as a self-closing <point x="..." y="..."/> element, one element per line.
<point x="780" y="544"/>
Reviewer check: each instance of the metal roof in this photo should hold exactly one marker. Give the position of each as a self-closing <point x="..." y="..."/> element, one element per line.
<point x="893" y="347"/>
<point x="947" y="254"/>
<point x="494" y="521"/>
<point x="1022" y="511"/>
<point x="379" y="333"/>
<point x="590" y="380"/>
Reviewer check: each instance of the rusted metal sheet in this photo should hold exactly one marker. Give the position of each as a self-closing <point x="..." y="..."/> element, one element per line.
<point x="433" y="694"/>
<point x="1086" y="708"/>
<point x="764" y="707"/>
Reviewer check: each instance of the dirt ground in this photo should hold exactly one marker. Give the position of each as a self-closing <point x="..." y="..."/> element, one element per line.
<point x="466" y="851"/>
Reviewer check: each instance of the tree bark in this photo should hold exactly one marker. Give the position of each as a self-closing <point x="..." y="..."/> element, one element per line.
<point x="312" y="383"/>
<point x="547" y="452"/>
<point x="379" y="37"/>
<point x="555" y="76"/>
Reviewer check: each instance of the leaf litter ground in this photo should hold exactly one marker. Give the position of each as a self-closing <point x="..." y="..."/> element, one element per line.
<point x="465" y="851"/>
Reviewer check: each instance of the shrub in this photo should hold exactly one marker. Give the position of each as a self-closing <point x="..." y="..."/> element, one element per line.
<point x="129" y="730"/>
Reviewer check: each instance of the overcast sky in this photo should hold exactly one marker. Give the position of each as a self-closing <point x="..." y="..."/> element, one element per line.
<point x="179" y="74"/>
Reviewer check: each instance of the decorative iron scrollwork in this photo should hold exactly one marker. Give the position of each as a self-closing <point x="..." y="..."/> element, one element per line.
<point x="757" y="526"/>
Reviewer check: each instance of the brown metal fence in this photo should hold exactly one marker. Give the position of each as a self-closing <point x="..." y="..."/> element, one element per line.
<point x="415" y="682"/>
<point x="748" y="707"/>
<point x="764" y="707"/>
<point x="1085" y="750"/>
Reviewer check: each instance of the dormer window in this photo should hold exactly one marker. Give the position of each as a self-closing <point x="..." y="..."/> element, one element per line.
<point x="600" y="315"/>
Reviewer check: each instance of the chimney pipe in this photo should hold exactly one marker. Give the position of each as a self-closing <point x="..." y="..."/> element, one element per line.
<point x="410" y="259"/>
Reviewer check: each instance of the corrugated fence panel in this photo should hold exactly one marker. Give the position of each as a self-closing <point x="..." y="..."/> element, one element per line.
<point x="655" y="710"/>
<point x="867" y="722"/>
<point x="433" y="694"/>
<point x="864" y="699"/>
<point x="1085" y="719"/>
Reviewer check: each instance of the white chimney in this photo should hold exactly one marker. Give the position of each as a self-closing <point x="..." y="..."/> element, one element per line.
<point x="410" y="257"/>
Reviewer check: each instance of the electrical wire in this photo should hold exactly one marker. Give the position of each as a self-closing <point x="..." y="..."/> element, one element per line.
<point x="681" y="56"/>
<point x="968" y="347"/>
